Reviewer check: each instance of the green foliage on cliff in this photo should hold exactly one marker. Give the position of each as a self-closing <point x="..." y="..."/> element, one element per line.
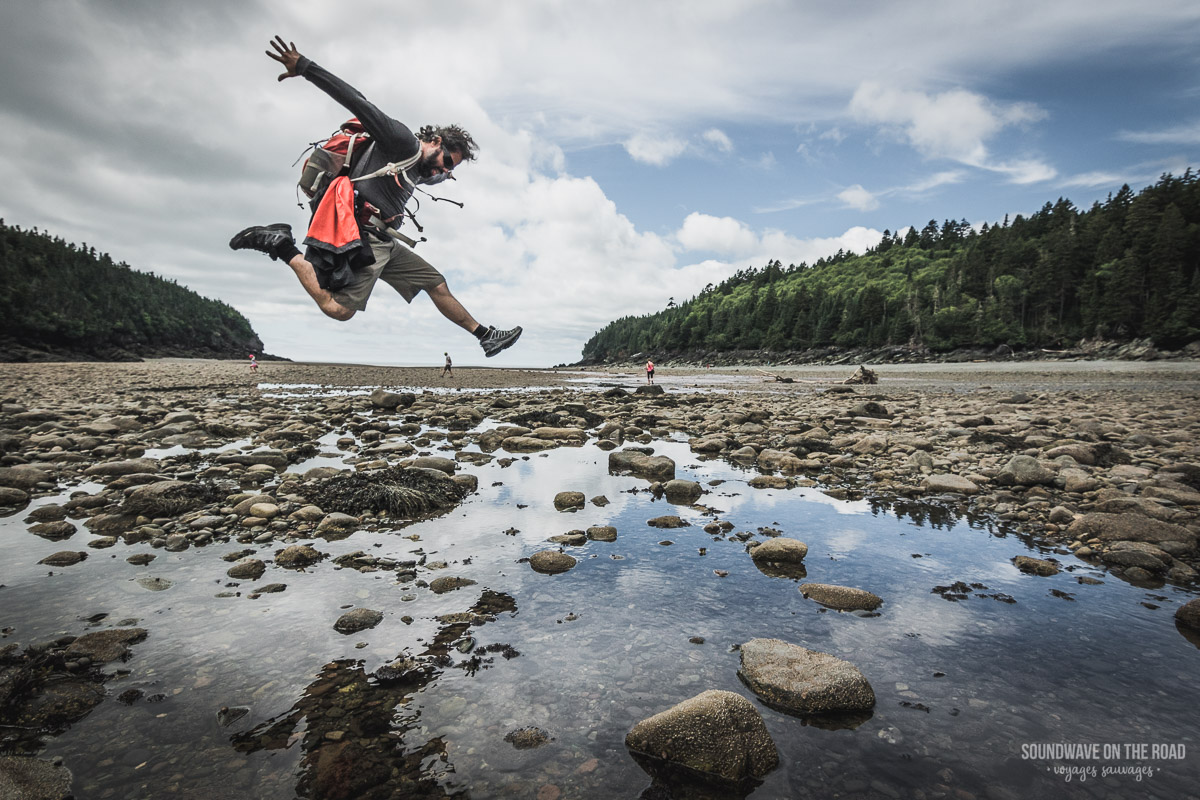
<point x="62" y="298"/>
<point x="1128" y="268"/>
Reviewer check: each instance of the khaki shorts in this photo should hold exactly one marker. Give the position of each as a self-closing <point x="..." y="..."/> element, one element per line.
<point x="395" y="265"/>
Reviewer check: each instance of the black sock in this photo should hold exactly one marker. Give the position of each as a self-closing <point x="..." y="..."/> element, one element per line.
<point x="481" y="331"/>
<point x="286" y="251"/>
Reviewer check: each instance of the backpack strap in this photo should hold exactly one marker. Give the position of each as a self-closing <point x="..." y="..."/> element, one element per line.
<point x="396" y="169"/>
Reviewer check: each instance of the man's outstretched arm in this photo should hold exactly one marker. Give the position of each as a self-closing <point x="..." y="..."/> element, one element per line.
<point x="394" y="136"/>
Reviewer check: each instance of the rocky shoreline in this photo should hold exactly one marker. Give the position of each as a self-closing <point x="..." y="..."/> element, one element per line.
<point x="1110" y="474"/>
<point x="1087" y="349"/>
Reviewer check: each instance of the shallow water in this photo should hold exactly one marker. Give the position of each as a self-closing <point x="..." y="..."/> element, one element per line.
<point x="964" y="688"/>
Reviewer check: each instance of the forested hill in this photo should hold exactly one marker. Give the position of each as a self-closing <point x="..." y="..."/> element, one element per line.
<point x="1123" y="270"/>
<point x="59" y="301"/>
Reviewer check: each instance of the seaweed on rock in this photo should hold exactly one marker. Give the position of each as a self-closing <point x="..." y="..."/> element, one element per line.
<point x="398" y="491"/>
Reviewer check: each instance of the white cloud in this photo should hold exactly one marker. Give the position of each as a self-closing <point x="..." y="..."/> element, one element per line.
<point x="954" y="125"/>
<point x="859" y="198"/>
<point x="657" y="150"/>
<point x="1188" y="134"/>
<point x="718" y="139"/>
<point x="934" y="181"/>
<point x="723" y="235"/>
<point x="744" y="247"/>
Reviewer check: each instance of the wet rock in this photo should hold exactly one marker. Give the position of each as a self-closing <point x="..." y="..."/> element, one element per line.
<point x="1133" y="557"/>
<point x="47" y="513"/>
<point x="602" y="533"/>
<point x="168" y="498"/>
<point x="1180" y="497"/>
<point x="12" y="496"/>
<point x="1022" y="470"/>
<point x="802" y="681"/>
<point x="870" y="445"/>
<point x="551" y="562"/>
<point x="141" y="559"/>
<point x="308" y="513"/>
<point x="1081" y="453"/>
<point x="382" y="398"/>
<point x="570" y="538"/>
<point x="781" y="550"/>
<point x="564" y="501"/>
<point x="655" y="468"/>
<point x="1035" y="566"/>
<point x="242" y="506"/>
<point x="449" y="584"/>
<point x="124" y="467"/>
<point x="297" y="556"/>
<point x="526" y="444"/>
<point x="269" y="457"/>
<point x="264" y="510"/>
<point x="955" y="484"/>
<point x="778" y="460"/>
<point x="668" y="521"/>
<point x="108" y="645"/>
<point x="869" y="409"/>
<point x="54" y="531"/>
<point x="250" y="569"/>
<point x="1128" y="527"/>
<point x="30" y="778"/>
<point x="337" y="525"/>
<point x="770" y="482"/>
<point x="717" y="733"/>
<point x="111" y="524"/>
<point x="527" y="738"/>
<point x="446" y="465"/>
<point x="103" y="542"/>
<point x="154" y="584"/>
<point x="841" y="598"/>
<point x="681" y="491"/>
<point x="177" y="542"/>
<point x="358" y="619"/>
<point x="1188" y="614"/>
<point x="270" y="588"/>
<point x="64" y="558"/>
<point x="23" y="478"/>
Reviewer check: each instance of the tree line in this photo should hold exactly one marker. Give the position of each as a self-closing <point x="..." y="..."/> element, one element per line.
<point x="58" y="297"/>
<point x="1127" y="268"/>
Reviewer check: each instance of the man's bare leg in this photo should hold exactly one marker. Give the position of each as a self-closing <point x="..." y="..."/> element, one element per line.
<point x="449" y="306"/>
<point x="325" y="301"/>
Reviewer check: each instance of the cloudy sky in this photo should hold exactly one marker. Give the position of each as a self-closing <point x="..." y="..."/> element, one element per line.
<point x="631" y="152"/>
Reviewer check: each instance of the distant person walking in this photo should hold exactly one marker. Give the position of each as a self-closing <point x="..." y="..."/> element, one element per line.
<point x="448" y="369"/>
<point x="353" y="240"/>
<point x="253" y="363"/>
<point x="649" y="372"/>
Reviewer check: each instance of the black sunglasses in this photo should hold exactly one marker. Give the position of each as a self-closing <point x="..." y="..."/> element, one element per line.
<point x="447" y="161"/>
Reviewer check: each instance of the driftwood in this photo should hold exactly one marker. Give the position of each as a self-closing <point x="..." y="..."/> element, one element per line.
<point x="778" y="378"/>
<point x="862" y="376"/>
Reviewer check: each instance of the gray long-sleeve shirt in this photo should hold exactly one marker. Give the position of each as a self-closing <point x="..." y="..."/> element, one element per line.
<point x="392" y="142"/>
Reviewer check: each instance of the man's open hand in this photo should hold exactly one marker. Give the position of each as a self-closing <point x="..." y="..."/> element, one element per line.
<point x="286" y="54"/>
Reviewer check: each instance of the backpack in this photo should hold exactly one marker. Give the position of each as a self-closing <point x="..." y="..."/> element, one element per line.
<point x="332" y="158"/>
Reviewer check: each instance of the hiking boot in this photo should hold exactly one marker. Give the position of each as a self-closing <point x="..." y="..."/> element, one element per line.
<point x="264" y="238"/>
<point x="494" y="341"/>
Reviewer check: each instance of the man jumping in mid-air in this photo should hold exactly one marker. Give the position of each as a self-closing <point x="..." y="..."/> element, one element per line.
<point x="384" y="177"/>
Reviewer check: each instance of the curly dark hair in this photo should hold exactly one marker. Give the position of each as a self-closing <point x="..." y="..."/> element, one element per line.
<point x="454" y="138"/>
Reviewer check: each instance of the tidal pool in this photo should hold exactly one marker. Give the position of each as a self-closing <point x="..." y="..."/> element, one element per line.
<point x="241" y="696"/>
